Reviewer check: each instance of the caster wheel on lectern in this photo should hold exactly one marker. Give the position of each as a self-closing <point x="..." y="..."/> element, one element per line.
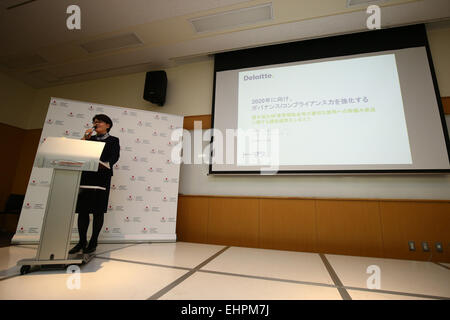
<point x="25" y="269"/>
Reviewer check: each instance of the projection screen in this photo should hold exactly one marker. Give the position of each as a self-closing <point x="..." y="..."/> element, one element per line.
<point x="373" y="112"/>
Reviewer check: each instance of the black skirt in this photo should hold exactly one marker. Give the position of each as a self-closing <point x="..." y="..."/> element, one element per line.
<point x="92" y="201"/>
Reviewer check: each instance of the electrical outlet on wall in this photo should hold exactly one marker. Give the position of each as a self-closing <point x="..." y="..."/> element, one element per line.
<point x="412" y="246"/>
<point x="425" y="246"/>
<point x="439" y="247"/>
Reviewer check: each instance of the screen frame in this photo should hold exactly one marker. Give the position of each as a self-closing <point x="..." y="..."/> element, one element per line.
<point x="336" y="46"/>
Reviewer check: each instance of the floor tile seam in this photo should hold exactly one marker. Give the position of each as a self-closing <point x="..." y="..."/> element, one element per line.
<point x="208" y="260"/>
<point x="145" y="263"/>
<point x="441" y="265"/>
<point x="334" y="277"/>
<point x="141" y="262"/>
<point x="269" y="278"/>
<point x="176" y="282"/>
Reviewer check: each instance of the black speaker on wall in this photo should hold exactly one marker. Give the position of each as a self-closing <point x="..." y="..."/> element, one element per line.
<point x="155" y="87"/>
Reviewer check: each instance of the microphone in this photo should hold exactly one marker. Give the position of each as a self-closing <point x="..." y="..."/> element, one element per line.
<point x="93" y="128"/>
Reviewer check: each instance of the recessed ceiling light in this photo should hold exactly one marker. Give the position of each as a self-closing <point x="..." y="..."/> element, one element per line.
<point x="232" y="19"/>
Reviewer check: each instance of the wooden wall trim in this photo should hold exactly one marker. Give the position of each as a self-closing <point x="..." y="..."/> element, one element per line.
<point x="312" y="198"/>
<point x="188" y="122"/>
<point x="374" y="227"/>
<point x="446" y="104"/>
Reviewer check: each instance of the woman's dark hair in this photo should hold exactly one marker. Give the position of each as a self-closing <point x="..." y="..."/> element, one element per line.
<point x="105" y="119"/>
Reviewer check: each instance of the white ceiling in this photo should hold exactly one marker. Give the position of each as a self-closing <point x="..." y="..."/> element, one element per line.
<point x="36" y="32"/>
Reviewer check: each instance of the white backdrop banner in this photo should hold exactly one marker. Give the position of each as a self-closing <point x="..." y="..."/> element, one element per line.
<point x="144" y="188"/>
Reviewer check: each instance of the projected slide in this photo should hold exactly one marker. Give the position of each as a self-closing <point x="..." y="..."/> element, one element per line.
<point x="341" y="112"/>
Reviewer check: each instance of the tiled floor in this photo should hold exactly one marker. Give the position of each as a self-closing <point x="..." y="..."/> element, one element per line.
<point x="192" y="271"/>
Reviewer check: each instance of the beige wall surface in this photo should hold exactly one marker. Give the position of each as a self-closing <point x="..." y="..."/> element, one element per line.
<point x="439" y="40"/>
<point x="189" y="92"/>
<point x="16" y="100"/>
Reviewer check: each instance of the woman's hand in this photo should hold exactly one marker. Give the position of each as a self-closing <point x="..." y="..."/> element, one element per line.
<point x="88" y="134"/>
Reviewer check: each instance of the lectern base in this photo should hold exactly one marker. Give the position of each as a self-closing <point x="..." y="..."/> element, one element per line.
<point x="27" y="264"/>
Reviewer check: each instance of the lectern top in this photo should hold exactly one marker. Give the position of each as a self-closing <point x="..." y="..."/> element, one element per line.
<point x="70" y="154"/>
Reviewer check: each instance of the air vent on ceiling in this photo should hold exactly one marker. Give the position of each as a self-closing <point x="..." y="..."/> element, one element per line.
<point x="113" y="43"/>
<point x="22" y="61"/>
<point x="353" y="3"/>
<point x="234" y="18"/>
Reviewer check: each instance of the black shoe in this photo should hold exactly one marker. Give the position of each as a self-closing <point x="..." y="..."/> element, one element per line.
<point x="90" y="248"/>
<point x="77" y="248"/>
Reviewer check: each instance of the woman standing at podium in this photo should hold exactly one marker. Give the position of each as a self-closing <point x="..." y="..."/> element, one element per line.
<point x="94" y="186"/>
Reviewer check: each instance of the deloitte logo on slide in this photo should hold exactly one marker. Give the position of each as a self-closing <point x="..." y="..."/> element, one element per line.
<point x="258" y="77"/>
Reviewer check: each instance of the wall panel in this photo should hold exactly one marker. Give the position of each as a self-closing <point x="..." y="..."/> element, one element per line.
<point x="359" y="227"/>
<point x="288" y="224"/>
<point x="233" y="221"/>
<point x="349" y="227"/>
<point x="192" y="219"/>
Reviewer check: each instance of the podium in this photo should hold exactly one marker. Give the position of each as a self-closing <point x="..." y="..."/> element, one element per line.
<point x="68" y="158"/>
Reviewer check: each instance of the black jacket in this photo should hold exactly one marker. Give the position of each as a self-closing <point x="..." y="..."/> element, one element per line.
<point x="96" y="201"/>
<point x="111" y="154"/>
